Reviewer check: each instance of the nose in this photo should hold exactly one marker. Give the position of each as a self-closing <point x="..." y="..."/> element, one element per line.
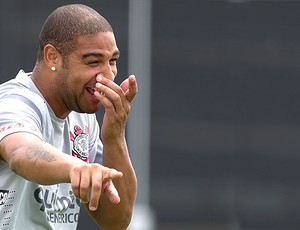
<point x="107" y="72"/>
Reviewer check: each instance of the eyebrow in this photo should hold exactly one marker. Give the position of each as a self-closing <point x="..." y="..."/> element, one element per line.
<point x="100" y="55"/>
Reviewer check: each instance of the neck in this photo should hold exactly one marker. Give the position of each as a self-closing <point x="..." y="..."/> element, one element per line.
<point x="42" y="79"/>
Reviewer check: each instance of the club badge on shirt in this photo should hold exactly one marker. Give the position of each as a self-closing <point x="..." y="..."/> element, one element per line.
<point x="80" y="143"/>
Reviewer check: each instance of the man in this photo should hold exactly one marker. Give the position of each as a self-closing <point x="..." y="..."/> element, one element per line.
<point x="50" y="148"/>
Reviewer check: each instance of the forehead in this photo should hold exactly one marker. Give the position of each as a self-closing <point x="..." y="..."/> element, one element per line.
<point x="103" y="42"/>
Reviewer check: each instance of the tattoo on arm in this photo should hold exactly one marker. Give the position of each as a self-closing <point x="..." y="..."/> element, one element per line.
<point x="39" y="153"/>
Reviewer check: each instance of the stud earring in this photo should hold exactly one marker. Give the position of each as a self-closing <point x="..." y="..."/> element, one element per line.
<point x="53" y="68"/>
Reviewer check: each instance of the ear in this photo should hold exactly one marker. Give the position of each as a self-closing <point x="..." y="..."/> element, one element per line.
<point x="51" y="56"/>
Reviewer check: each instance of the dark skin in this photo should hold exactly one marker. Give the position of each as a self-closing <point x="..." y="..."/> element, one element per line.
<point x="83" y="84"/>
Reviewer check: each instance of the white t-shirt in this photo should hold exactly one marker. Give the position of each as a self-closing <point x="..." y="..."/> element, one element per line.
<point x="27" y="205"/>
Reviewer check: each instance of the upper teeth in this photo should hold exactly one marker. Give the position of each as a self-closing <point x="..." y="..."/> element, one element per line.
<point x="99" y="91"/>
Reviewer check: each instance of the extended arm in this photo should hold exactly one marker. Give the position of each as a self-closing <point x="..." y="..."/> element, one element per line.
<point x="33" y="159"/>
<point x="38" y="161"/>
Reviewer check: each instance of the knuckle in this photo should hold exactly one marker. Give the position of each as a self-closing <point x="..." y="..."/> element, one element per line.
<point x="75" y="170"/>
<point x="119" y="91"/>
<point x="95" y="166"/>
<point x="116" y="98"/>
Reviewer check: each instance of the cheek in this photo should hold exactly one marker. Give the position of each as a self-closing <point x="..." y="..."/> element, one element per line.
<point x="115" y="71"/>
<point x="75" y="83"/>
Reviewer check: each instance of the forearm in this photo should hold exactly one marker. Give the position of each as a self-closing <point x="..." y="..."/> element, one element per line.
<point x="112" y="216"/>
<point x="117" y="103"/>
<point x="117" y="156"/>
<point x="35" y="160"/>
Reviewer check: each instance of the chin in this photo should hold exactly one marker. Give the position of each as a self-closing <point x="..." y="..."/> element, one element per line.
<point x="90" y="107"/>
<point x="89" y="110"/>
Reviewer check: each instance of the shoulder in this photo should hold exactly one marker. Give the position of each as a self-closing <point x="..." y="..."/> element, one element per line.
<point x="24" y="98"/>
<point x="21" y="90"/>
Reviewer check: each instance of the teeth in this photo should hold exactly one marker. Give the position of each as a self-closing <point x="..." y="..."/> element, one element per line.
<point x="99" y="91"/>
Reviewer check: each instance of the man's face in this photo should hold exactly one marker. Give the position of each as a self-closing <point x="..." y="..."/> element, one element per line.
<point x="93" y="55"/>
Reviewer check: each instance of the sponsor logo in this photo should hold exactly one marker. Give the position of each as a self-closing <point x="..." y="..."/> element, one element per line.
<point x="80" y="143"/>
<point x="59" y="209"/>
<point x="63" y="217"/>
<point x="3" y="196"/>
<point x="51" y="201"/>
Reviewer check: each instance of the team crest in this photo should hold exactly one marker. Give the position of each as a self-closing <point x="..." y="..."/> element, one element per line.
<point x="80" y="143"/>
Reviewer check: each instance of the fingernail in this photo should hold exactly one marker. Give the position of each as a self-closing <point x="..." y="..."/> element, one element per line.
<point x="132" y="78"/>
<point x="98" y="84"/>
<point x="92" y="208"/>
<point x="99" y="77"/>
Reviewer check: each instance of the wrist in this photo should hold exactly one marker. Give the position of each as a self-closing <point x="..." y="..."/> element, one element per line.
<point x="113" y="139"/>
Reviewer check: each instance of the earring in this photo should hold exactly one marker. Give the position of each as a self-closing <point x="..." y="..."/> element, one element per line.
<point x="53" y="68"/>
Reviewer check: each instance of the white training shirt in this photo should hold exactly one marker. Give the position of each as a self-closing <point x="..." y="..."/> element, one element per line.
<point x="27" y="205"/>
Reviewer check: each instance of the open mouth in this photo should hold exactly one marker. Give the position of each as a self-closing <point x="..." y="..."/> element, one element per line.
<point x="92" y="91"/>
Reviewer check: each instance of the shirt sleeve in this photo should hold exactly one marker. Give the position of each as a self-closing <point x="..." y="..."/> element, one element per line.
<point x="18" y="116"/>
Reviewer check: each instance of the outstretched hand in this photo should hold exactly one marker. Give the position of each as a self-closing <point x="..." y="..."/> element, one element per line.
<point x="90" y="181"/>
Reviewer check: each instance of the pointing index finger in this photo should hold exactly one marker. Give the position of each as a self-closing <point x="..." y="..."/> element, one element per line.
<point x="99" y="184"/>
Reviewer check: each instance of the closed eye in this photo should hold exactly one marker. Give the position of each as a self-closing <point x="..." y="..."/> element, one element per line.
<point x="113" y="61"/>
<point x="93" y="63"/>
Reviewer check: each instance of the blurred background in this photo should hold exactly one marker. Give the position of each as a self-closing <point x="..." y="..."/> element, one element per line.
<point x="225" y="125"/>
